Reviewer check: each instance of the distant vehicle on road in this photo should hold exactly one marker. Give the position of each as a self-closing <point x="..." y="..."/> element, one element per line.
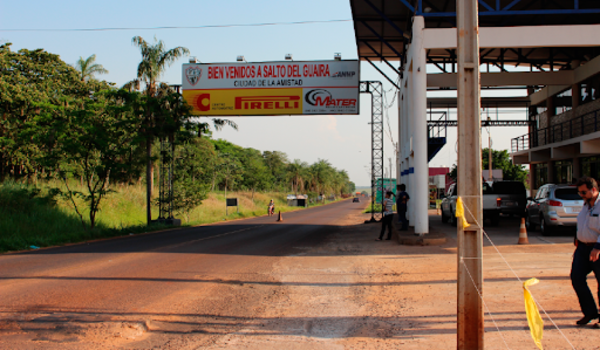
<point x="554" y="206"/>
<point x="513" y="197"/>
<point x="355" y="199"/>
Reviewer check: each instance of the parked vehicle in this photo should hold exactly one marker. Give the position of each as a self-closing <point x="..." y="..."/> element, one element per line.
<point x="554" y="206"/>
<point x="491" y="208"/>
<point x="513" y="197"/>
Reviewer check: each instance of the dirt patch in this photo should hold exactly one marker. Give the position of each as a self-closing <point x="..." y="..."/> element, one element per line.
<point x="358" y="293"/>
<point x="348" y="292"/>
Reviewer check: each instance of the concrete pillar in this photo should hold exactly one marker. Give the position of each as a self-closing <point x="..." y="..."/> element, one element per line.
<point x="399" y="144"/>
<point x="576" y="168"/>
<point x="419" y="118"/>
<point x="409" y="142"/>
<point x="551" y="172"/>
<point x="575" y="88"/>
<point x="550" y="108"/>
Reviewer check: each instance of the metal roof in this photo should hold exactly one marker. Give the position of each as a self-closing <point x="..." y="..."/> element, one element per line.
<point x="383" y="27"/>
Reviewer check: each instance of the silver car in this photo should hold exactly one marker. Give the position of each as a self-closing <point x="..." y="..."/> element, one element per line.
<point x="554" y="206"/>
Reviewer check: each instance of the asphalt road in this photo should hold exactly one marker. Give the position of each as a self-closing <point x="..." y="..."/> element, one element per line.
<point x="81" y="296"/>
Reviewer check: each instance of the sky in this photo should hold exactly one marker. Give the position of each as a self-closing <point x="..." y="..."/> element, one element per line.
<point x="219" y="31"/>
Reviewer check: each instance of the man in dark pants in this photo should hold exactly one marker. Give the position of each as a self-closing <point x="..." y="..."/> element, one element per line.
<point x="585" y="259"/>
<point x="388" y="215"/>
<point x="401" y="205"/>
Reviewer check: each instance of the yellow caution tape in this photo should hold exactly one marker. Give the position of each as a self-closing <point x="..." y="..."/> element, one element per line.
<point x="460" y="212"/>
<point x="536" y="325"/>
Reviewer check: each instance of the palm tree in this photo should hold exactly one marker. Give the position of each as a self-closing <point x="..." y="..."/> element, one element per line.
<point x="155" y="60"/>
<point x="296" y="173"/>
<point x="88" y="68"/>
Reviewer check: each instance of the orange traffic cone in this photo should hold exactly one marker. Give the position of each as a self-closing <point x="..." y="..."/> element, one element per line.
<point x="280" y="218"/>
<point x="523" y="233"/>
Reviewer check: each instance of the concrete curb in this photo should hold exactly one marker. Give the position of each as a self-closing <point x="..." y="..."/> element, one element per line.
<point x="408" y="237"/>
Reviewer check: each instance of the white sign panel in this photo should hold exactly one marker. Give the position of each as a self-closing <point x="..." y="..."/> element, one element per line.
<point x="272" y="88"/>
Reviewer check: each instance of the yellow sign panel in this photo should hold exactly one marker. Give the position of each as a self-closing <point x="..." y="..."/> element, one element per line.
<point x="245" y="101"/>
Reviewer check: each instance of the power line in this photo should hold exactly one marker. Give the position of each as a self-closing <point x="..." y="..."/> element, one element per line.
<point x="177" y="27"/>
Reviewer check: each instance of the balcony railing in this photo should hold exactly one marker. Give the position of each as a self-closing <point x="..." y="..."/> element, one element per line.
<point x="582" y="125"/>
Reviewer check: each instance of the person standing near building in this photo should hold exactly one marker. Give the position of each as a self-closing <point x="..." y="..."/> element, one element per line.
<point x="388" y="215"/>
<point x="587" y="252"/>
<point x="402" y="206"/>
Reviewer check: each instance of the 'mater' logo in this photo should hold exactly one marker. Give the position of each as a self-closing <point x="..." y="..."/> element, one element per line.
<point x="193" y="74"/>
<point x="203" y="102"/>
<point x="267" y="102"/>
<point x="323" y="98"/>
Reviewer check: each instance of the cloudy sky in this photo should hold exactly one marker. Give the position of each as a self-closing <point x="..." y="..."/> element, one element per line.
<point x="219" y="31"/>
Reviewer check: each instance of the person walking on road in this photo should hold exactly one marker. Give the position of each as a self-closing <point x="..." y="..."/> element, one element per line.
<point x="587" y="251"/>
<point x="402" y="206"/>
<point x="388" y="215"/>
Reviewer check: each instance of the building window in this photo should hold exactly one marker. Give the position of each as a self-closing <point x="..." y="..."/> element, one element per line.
<point x="541" y="174"/>
<point x="590" y="166"/>
<point x="563" y="172"/>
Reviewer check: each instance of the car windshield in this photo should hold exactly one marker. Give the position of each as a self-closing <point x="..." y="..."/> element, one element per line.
<point x="509" y="187"/>
<point x="569" y="194"/>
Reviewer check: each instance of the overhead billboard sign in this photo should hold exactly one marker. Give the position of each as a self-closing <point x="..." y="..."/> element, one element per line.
<point x="272" y="88"/>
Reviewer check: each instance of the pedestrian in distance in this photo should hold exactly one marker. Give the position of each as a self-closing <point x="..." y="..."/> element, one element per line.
<point x="587" y="251"/>
<point x="271" y="208"/>
<point x="388" y="215"/>
<point x="402" y="206"/>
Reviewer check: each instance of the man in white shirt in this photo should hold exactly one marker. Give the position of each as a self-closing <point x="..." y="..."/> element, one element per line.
<point x="388" y="215"/>
<point x="587" y="253"/>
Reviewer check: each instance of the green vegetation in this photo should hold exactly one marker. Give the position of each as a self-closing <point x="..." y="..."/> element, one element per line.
<point x="75" y="153"/>
<point x="34" y="216"/>
<point x="500" y="160"/>
<point x="376" y="208"/>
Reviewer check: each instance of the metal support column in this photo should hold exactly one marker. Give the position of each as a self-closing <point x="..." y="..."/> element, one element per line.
<point x="165" y="182"/>
<point x="375" y="88"/>
<point x="470" y="243"/>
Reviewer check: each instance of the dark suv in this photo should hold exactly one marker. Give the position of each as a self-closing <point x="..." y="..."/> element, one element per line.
<point x="513" y="197"/>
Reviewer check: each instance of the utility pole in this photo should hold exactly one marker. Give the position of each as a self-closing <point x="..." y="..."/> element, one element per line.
<point x="470" y="242"/>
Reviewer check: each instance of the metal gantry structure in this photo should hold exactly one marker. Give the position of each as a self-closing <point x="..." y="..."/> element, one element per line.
<point x="165" y="181"/>
<point x="375" y="89"/>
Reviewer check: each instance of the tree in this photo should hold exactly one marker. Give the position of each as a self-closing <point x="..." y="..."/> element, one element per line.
<point x="276" y="161"/>
<point x="195" y="161"/>
<point x="321" y="176"/>
<point x="32" y="83"/>
<point x="155" y="60"/>
<point x="256" y="174"/>
<point x="500" y="160"/>
<point x="88" y="68"/>
<point x="297" y="171"/>
<point x="95" y="140"/>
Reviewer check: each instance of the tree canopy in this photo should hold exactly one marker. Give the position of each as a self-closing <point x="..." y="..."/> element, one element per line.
<point x="500" y="160"/>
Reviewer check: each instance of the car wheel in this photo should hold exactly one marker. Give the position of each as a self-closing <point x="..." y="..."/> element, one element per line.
<point x="528" y="224"/>
<point x="444" y="217"/>
<point x="544" y="229"/>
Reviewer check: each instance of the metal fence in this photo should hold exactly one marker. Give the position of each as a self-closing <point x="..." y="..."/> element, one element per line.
<point x="582" y="125"/>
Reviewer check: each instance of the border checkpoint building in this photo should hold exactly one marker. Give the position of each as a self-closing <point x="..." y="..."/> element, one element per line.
<point x="550" y="49"/>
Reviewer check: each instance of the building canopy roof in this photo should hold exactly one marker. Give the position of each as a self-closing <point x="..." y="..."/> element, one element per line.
<point x="383" y="28"/>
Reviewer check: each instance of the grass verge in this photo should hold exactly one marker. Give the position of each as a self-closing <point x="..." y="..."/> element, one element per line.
<point x="30" y="218"/>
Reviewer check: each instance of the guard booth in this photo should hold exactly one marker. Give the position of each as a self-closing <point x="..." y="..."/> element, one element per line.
<point x="300" y="200"/>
